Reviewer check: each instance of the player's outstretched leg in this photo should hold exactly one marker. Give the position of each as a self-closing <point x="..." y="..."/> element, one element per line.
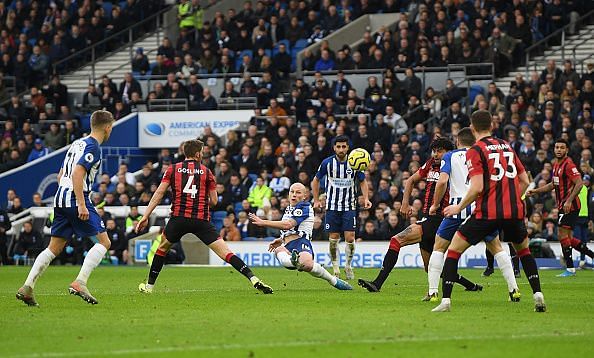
<point x="43" y="260"/>
<point x="580" y="246"/>
<point x="222" y="250"/>
<point x="79" y="286"/>
<point x="531" y="271"/>
<point x="490" y="264"/>
<point x="388" y="264"/>
<point x="335" y="253"/>
<point x="305" y="262"/>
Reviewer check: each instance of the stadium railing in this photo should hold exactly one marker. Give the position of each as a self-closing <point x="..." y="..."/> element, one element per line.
<point x="168" y="104"/>
<point x="557" y="37"/>
<point x="237" y="102"/>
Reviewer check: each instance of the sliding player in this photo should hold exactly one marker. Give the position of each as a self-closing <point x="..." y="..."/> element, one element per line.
<point x="73" y="211"/>
<point x="497" y="181"/>
<point x="293" y="249"/>
<point x="454" y="173"/>
<point x="423" y="231"/>
<point x="567" y="183"/>
<point x="193" y="190"/>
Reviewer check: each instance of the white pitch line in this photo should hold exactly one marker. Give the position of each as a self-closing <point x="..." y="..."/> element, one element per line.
<point x="197" y="348"/>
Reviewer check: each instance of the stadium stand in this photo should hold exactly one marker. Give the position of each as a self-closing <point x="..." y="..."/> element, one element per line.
<point x="391" y="94"/>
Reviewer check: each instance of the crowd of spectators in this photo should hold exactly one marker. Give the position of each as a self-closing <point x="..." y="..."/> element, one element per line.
<point x="290" y="134"/>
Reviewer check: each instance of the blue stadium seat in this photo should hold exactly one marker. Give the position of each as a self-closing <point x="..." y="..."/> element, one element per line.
<point x="301" y="44"/>
<point x="249" y="238"/>
<point x="268" y="52"/>
<point x="269" y="238"/>
<point x="475" y="90"/>
<point x="237" y="208"/>
<point x="107" y="6"/>
<point x="217" y="219"/>
<point x="247" y="52"/>
<point x="253" y="177"/>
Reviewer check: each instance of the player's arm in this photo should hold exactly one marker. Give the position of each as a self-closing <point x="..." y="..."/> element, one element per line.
<point x="77" y="186"/>
<point x="543" y="189"/>
<point x="476" y="187"/>
<point x="364" y="190"/>
<point x="213" y="197"/>
<point x="524" y="181"/>
<point x="60" y="173"/>
<point x="273" y="224"/>
<point x="577" y="187"/>
<point x="405" y="209"/>
<point x="155" y="200"/>
<point x="440" y="189"/>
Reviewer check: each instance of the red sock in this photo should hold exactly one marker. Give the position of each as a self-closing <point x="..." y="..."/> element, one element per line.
<point x="394" y="244"/>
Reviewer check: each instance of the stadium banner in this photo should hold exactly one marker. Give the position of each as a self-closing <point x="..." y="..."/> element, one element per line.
<point x="367" y="254"/>
<point x="169" y="129"/>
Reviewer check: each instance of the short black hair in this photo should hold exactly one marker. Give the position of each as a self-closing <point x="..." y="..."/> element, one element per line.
<point x="561" y="140"/>
<point x="465" y="136"/>
<point x="341" y="139"/>
<point x="481" y="120"/>
<point x="442" y="143"/>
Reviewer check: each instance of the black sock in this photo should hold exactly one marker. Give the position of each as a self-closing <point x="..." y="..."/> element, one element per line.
<point x="450" y="274"/>
<point x="156" y="266"/>
<point x="531" y="271"/>
<point x="490" y="259"/>
<point x="567" y="255"/>
<point x="582" y="248"/>
<point x="387" y="265"/>
<point x="465" y="282"/>
<point x="240" y="266"/>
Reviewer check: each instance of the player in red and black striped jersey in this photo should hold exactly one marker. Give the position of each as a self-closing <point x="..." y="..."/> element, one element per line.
<point x="424" y="230"/>
<point x="567" y="183"/>
<point x="193" y="188"/>
<point x="497" y="181"/>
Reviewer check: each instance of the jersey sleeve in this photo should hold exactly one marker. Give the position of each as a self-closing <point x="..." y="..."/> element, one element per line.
<point x="446" y="163"/>
<point x="473" y="162"/>
<point x="212" y="183"/>
<point x="360" y="176"/>
<point x="424" y="170"/>
<point x="571" y="171"/>
<point x="167" y="175"/>
<point x="90" y="156"/>
<point x="301" y="213"/>
<point x="322" y="172"/>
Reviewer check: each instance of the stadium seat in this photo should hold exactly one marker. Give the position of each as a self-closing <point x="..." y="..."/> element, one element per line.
<point x="217" y="219"/>
<point x="269" y="238"/>
<point x="237" y="208"/>
<point x="249" y="238"/>
<point x="107" y="6"/>
<point x="475" y="90"/>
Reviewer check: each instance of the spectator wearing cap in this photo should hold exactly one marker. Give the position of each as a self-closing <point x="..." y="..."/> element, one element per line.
<point x="57" y="92"/>
<point x="38" y="151"/>
<point x="140" y="62"/>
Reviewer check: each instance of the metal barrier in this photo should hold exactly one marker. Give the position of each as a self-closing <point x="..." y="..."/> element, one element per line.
<point x="168" y="104"/>
<point x="237" y="103"/>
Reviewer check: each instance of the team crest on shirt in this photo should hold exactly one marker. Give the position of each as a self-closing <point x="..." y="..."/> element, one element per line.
<point x="349" y="171"/>
<point x="574" y="170"/>
<point x="297" y="212"/>
<point x="89" y="157"/>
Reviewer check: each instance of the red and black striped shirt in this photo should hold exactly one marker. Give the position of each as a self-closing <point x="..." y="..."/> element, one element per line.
<point x="498" y="164"/>
<point x="564" y="173"/>
<point x="430" y="172"/>
<point x="190" y="184"/>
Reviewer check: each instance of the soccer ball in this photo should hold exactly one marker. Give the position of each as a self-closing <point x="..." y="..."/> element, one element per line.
<point x="359" y="159"/>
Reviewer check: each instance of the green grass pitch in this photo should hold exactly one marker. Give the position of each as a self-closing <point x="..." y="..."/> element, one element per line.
<point x="214" y="312"/>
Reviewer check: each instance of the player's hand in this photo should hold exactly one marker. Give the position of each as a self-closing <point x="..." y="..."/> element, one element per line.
<point x="433" y="209"/>
<point x="530" y="193"/>
<point x="141" y="225"/>
<point x="452" y="210"/>
<point x="256" y="220"/>
<point x="367" y="204"/>
<point x="567" y="207"/>
<point x="83" y="212"/>
<point x="406" y="211"/>
<point x="317" y="204"/>
<point x="273" y="245"/>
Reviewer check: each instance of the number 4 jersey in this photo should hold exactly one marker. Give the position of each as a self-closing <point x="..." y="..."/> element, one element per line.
<point x="499" y="166"/>
<point x="190" y="184"/>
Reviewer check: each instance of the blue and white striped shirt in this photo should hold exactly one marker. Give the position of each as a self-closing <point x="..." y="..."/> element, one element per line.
<point x="454" y="164"/>
<point x="85" y="152"/>
<point x="341" y="194"/>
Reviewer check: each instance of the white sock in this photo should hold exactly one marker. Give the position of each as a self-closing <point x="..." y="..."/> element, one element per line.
<point x="93" y="259"/>
<point x="320" y="272"/>
<point x="284" y="258"/>
<point x="571" y="269"/>
<point x="507" y="270"/>
<point x="334" y="253"/>
<point x="43" y="260"/>
<point x="435" y="267"/>
<point x="350" y="251"/>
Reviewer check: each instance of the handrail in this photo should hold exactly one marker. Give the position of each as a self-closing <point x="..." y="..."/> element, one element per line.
<point x="111" y="37"/>
<point x="561" y="31"/>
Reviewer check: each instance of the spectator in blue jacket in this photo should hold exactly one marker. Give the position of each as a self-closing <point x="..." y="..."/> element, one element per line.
<point x="38" y="150"/>
<point x="325" y="63"/>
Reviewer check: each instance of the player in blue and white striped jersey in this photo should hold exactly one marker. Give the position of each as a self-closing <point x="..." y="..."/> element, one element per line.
<point x="293" y="249"/>
<point x="341" y="201"/>
<point x="74" y="213"/>
<point x="454" y="175"/>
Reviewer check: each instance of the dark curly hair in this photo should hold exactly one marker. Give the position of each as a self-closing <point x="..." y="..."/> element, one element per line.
<point x="442" y="143"/>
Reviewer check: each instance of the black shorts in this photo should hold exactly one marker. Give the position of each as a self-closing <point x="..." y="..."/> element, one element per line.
<point x="475" y="230"/>
<point x="429" y="224"/>
<point x="179" y="226"/>
<point x="568" y="221"/>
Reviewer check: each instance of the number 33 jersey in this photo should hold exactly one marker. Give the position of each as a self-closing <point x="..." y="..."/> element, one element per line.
<point x="500" y="167"/>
